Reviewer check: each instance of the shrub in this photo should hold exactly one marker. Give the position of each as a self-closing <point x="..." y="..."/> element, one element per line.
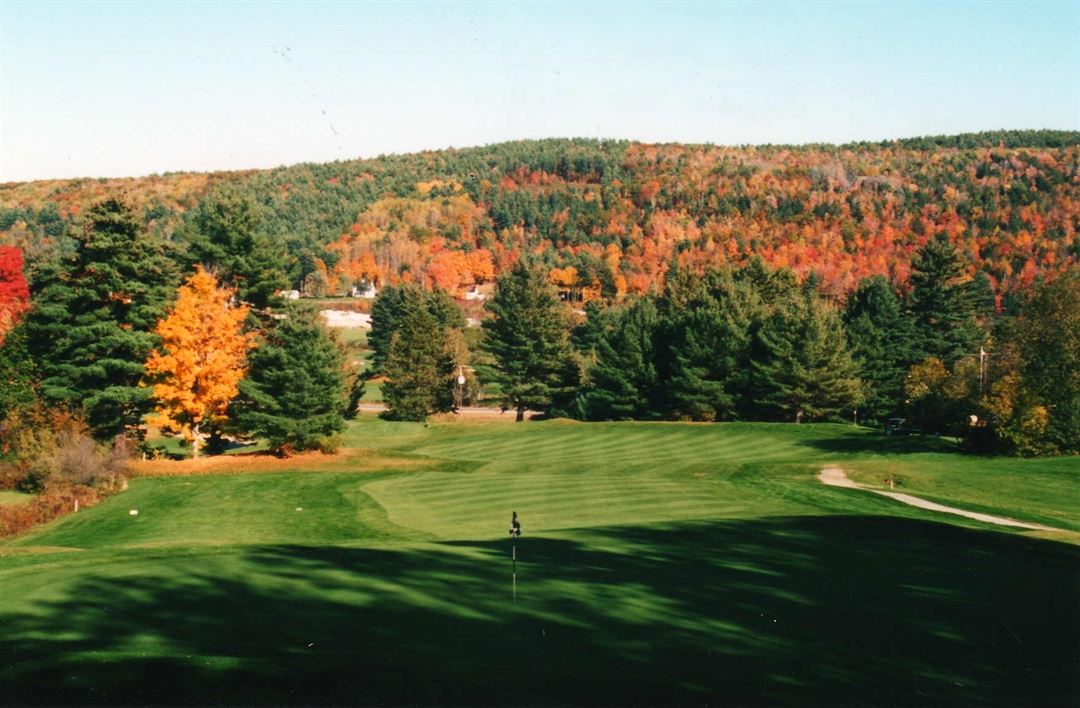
<point x="18" y="518"/>
<point x="52" y="448"/>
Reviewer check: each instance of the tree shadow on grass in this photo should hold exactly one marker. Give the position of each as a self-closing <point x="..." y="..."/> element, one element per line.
<point x="806" y="610"/>
<point x="862" y="442"/>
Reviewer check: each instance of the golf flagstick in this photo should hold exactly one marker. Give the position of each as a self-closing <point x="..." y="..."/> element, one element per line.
<point x="514" y="571"/>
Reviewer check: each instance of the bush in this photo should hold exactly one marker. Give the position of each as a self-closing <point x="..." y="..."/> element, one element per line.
<point x="51" y="448"/>
<point x="18" y="518"/>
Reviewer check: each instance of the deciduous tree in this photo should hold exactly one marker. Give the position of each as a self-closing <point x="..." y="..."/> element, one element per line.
<point x="14" y="291"/>
<point x="201" y="361"/>
<point x="1048" y="339"/>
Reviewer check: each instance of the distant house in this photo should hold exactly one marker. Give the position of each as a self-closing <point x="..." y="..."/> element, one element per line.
<point x="481" y="291"/>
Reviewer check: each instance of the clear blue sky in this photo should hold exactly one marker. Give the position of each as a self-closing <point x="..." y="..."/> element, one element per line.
<point x="109" y="89"/>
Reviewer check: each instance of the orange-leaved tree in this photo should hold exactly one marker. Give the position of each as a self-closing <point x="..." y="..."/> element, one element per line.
<point x="202" y="358"/>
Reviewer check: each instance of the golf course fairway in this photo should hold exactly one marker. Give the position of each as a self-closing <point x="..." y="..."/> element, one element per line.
<point x="661" y="563"/>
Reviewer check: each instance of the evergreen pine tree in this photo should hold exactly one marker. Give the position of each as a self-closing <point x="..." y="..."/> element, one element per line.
<point x="802" y="368"/>
<point x="295" y="390"/>
<point x="707" y="346"/>
<point x="879" y="333"/>
<point x="528" y="337"/>
<point x="942" y="304"/>
<point x="419" y="370"/>
<point x="226" y="236"/>
<point x="92" y="325"/>
<point x="623" y="384"/>
<point x="389" y="309"/>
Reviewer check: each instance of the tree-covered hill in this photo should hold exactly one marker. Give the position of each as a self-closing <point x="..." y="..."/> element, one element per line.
<point x="617" y="214"/>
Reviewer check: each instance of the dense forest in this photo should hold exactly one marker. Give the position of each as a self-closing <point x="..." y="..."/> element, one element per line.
<point x="612" y="217"/>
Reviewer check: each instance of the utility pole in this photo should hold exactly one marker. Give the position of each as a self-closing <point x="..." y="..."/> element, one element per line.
<point x="983" y="356"/>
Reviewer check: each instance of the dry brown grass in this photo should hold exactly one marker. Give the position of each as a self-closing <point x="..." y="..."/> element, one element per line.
<point x="347" y="460"/>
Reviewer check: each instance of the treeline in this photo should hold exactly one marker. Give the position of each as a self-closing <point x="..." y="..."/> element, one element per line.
<point x="753" y="343"/>
<point x="617" y="212"/>
<point x="126" y="331"/>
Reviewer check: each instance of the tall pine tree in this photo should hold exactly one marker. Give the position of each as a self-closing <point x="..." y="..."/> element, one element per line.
<point x="226" y="236"/>
<point x="92" y="325"/>
<point x="528" y="336"/>
<point x="942" y="304"/>
<point x="879" y="333"/>
<point x="419" y="370"/>
<point x="802" y="369"/>
<point x="624" y="383"/>
<point x="295" y="392"/>
<point x="390" y="307"/>
<point x="707" y="347"/>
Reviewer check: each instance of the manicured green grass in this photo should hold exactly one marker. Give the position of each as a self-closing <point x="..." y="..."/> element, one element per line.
<point x="372" y="392"/>
<point x="354" y="337"/>
<point x="661" y="563"/>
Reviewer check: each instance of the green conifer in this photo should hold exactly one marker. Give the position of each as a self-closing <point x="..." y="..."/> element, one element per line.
<point x="91" y="327"/>
<point x="802" y="369"/>
<point x="528" y="337"/>
<point x="295" y="391"/>
<point x="624" y="384"/>
<point x="419" y="370"/>
<point x="226" y="237"/>
<point x="942" y="304"/>
<point x="879" y="333"/>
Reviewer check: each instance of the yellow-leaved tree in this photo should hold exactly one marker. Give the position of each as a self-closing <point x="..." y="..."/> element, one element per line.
<point x="201" y="360"/>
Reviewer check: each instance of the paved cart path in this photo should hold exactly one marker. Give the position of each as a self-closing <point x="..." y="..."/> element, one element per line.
<point x="835" y="477"/>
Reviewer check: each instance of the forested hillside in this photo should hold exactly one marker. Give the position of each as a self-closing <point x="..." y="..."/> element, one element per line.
<point x="616" y="214"/>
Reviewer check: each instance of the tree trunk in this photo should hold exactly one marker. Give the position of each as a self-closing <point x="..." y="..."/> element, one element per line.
<point x="194" y="441"/>
<point x="520" y="413"/>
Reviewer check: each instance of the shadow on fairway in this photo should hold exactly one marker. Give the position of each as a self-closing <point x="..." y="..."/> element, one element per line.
<point x="881" y="444"/>
<point x="792" y="610"/>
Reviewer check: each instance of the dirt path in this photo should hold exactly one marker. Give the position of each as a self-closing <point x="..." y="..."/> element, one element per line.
<point x="835" y="477"/>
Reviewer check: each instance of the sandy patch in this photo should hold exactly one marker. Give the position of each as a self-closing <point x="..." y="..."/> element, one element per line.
<point x="345" y="318"/>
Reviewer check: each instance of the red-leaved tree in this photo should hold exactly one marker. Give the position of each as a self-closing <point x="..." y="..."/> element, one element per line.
<point x="14" y="292"/>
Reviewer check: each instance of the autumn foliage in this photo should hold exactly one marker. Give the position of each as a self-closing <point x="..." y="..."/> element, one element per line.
<point x="14" y="291"/>
<point x="202" y="358"/>
<point x="620" y="213"/>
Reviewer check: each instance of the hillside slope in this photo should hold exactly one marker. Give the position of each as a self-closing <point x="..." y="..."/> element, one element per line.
<point x="615" y="214"/>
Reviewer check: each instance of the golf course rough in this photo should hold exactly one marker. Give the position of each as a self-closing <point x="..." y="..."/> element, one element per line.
<point x="660" y="563"/>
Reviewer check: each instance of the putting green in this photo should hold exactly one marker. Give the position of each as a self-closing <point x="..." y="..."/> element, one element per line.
<point x="661" y="563"/>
